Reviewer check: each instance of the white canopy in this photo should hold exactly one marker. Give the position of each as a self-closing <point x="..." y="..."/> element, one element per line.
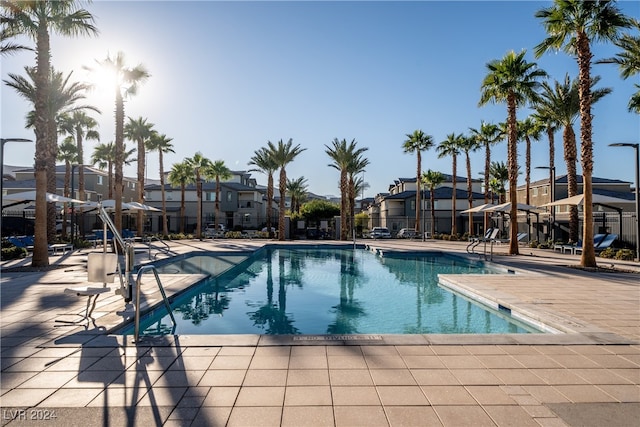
<point x="30" y="196"/>
<point x="480" y="208"/>
<point x="597" y="199"/>
<point x="506" y="207"/>
<point x="110" y="205"/>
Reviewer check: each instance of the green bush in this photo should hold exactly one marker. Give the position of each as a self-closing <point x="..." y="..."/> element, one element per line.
<point x="13" y="252"/>
<point x="624" y="255"/>
<point x="608" y="253"/>
<point x="534" y="244"/>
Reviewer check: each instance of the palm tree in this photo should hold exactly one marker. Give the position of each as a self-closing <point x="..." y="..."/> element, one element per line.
<point x="126" y="81"/>
<point x="488" y="135"/>
<point x="451" y="147"/>
<point x="628" y="61"/>
<point x="528" y="129"/>
<point x="297" y="189"/>
<point x="432" y="179"/>
<point x="572" y="25"/>
<point x="283" y="154"/>
<point x="68" y="153"/>
<point x="61" y="101"/>
<point x="220" y="172"/>
<point x="80" y="126"/>
<point x="139" y="131"/>
<point x="264" y="162"/>
<point x="161" y="144"/>
<point x="198" y="165"/>
<point x="512" y="80"/>
<point x="500" y="173"/>
<point x="356" y="166"/>
<point x="560" y="103"/>
<point x="104" y="156"/>
<point x="36" y="19"/>
<point x="343" y="154"/>
<point x="467" y="145"/>
<point x="418" y="141"/>
<point x="181" y="174"/>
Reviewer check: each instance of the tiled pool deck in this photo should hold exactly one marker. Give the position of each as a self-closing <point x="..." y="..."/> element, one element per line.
<point x="53" y="375"/>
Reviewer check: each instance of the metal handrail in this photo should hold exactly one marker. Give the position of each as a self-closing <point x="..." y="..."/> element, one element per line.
<point x="167" y="251"/>
<point x="164" y="298"/>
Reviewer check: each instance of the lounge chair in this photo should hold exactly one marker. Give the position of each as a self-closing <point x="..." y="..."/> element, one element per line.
<point x="25" y="242"/>
<point x="575" y="249"/>
<point x="605" y="242"/>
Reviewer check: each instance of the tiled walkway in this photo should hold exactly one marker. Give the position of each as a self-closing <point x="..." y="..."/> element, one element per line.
<point x="587" y="376"/>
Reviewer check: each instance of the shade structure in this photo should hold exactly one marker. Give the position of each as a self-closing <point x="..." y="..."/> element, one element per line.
<point x="596" y="199"/>
<point x="30" y="196"/>
<point x="480" y="208"/>
<point x="110" y="205"/>
<point x="506" y="207"/>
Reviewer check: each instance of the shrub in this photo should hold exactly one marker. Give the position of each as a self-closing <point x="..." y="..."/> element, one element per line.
<point x="13" y="252"/>
<point x="608" y="253"/>
<point x="534" y="244"/>
<point x="624" y="255"/>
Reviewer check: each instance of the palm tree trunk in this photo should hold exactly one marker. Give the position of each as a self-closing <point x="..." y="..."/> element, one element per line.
<point x="283" y="193"/>
<point x="418" y="186"/>
<point x="52" y="155"/>
<point x="569" y="139"/>
<point x="527" y="168"/>
<point x="165" y="226"/>
<point x="588" y="258"/>
<point x="80" y="160"/>
<point x="218" y="193"/>
<point x="469" y="193"/>
<point x="140" y="167"/>
<point x="487" y="167"/>
<point x="182" y="194"/>
<point x="119" y="160"/>
<point x="344" y="204"/>
<point x="199" y="213"/>
<point x="269" y="203"/>
<point x="67" y="178"/>
<point x="40" y="248"/>
<point x="513" y="174"/>
<point x="454" y="229"/>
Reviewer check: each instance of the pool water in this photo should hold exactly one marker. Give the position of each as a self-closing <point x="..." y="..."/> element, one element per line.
<point x="330" y="291"/>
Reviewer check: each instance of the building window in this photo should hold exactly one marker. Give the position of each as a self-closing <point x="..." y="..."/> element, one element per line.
<point x="169" y="195"/>
<point x="412" y="205"/>
<point x="229" y="196"/>
<point x="545" y="191"/>
<point x="535" y="191"/>
<point x="99" y="179"/>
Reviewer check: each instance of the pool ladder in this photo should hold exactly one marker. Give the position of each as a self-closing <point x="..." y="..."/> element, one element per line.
<point x="136" y="337"/>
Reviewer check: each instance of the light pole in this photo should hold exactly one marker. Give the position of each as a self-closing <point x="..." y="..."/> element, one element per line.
<point x="635" y="147"/>
<point x="5" y="140"/>
<point x="552" y="191"/>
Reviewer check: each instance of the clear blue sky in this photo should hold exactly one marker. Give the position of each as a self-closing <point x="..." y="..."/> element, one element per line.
<point x="226" y="77"/>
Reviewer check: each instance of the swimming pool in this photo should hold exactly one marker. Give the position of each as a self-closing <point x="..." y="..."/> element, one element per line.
<point x="281" y="290"/>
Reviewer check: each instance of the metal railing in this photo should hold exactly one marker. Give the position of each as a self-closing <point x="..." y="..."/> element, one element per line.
<point x="164" y="298"/>
<point x="166" y="250"/>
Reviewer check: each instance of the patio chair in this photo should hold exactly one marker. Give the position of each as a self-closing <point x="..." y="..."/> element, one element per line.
<point x="101" y="267"/>
<point x="600" y="245"/>
<point x="25" y="242"/>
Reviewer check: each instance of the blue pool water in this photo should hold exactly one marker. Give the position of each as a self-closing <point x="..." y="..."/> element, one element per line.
<point x="328" y="291"/>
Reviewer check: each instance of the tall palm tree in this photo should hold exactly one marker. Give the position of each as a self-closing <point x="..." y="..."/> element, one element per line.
<point x="297" y="189"/>
<point x="126" y="81"/>
<point x="161" y="144"/>
<point x="451" y="147"/>
<point x="180" y="175"/>
<point x="80" y="126"/>
<point x="198" y="165"/>
<point x="489" y="134"/>
<point x="36" y="19"/>
<point x="62" y="99"/>
<point x="343" y="154"/>
<point x="68" y="153"/>
<point x="139" y="131"/>
<point x="528" y="129"/>
<point x="283" y="154"/>
<point x="628" y="61"/>
<point x="560" y="103"/>
<point x="512" y="80"/>
<point x="467" y="145"/>
<point x="418" y="142"/>
<point x="432" y="179"/>
<point x="264" y="162"/>
<point x="573" y="25"/>
<point x="220" y="172"/>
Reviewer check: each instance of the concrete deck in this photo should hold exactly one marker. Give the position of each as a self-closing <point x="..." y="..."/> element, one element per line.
<point x="588" y="375"/>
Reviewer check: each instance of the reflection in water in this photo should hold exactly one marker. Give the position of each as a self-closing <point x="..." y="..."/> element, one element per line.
<point x="332" y="291"/>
